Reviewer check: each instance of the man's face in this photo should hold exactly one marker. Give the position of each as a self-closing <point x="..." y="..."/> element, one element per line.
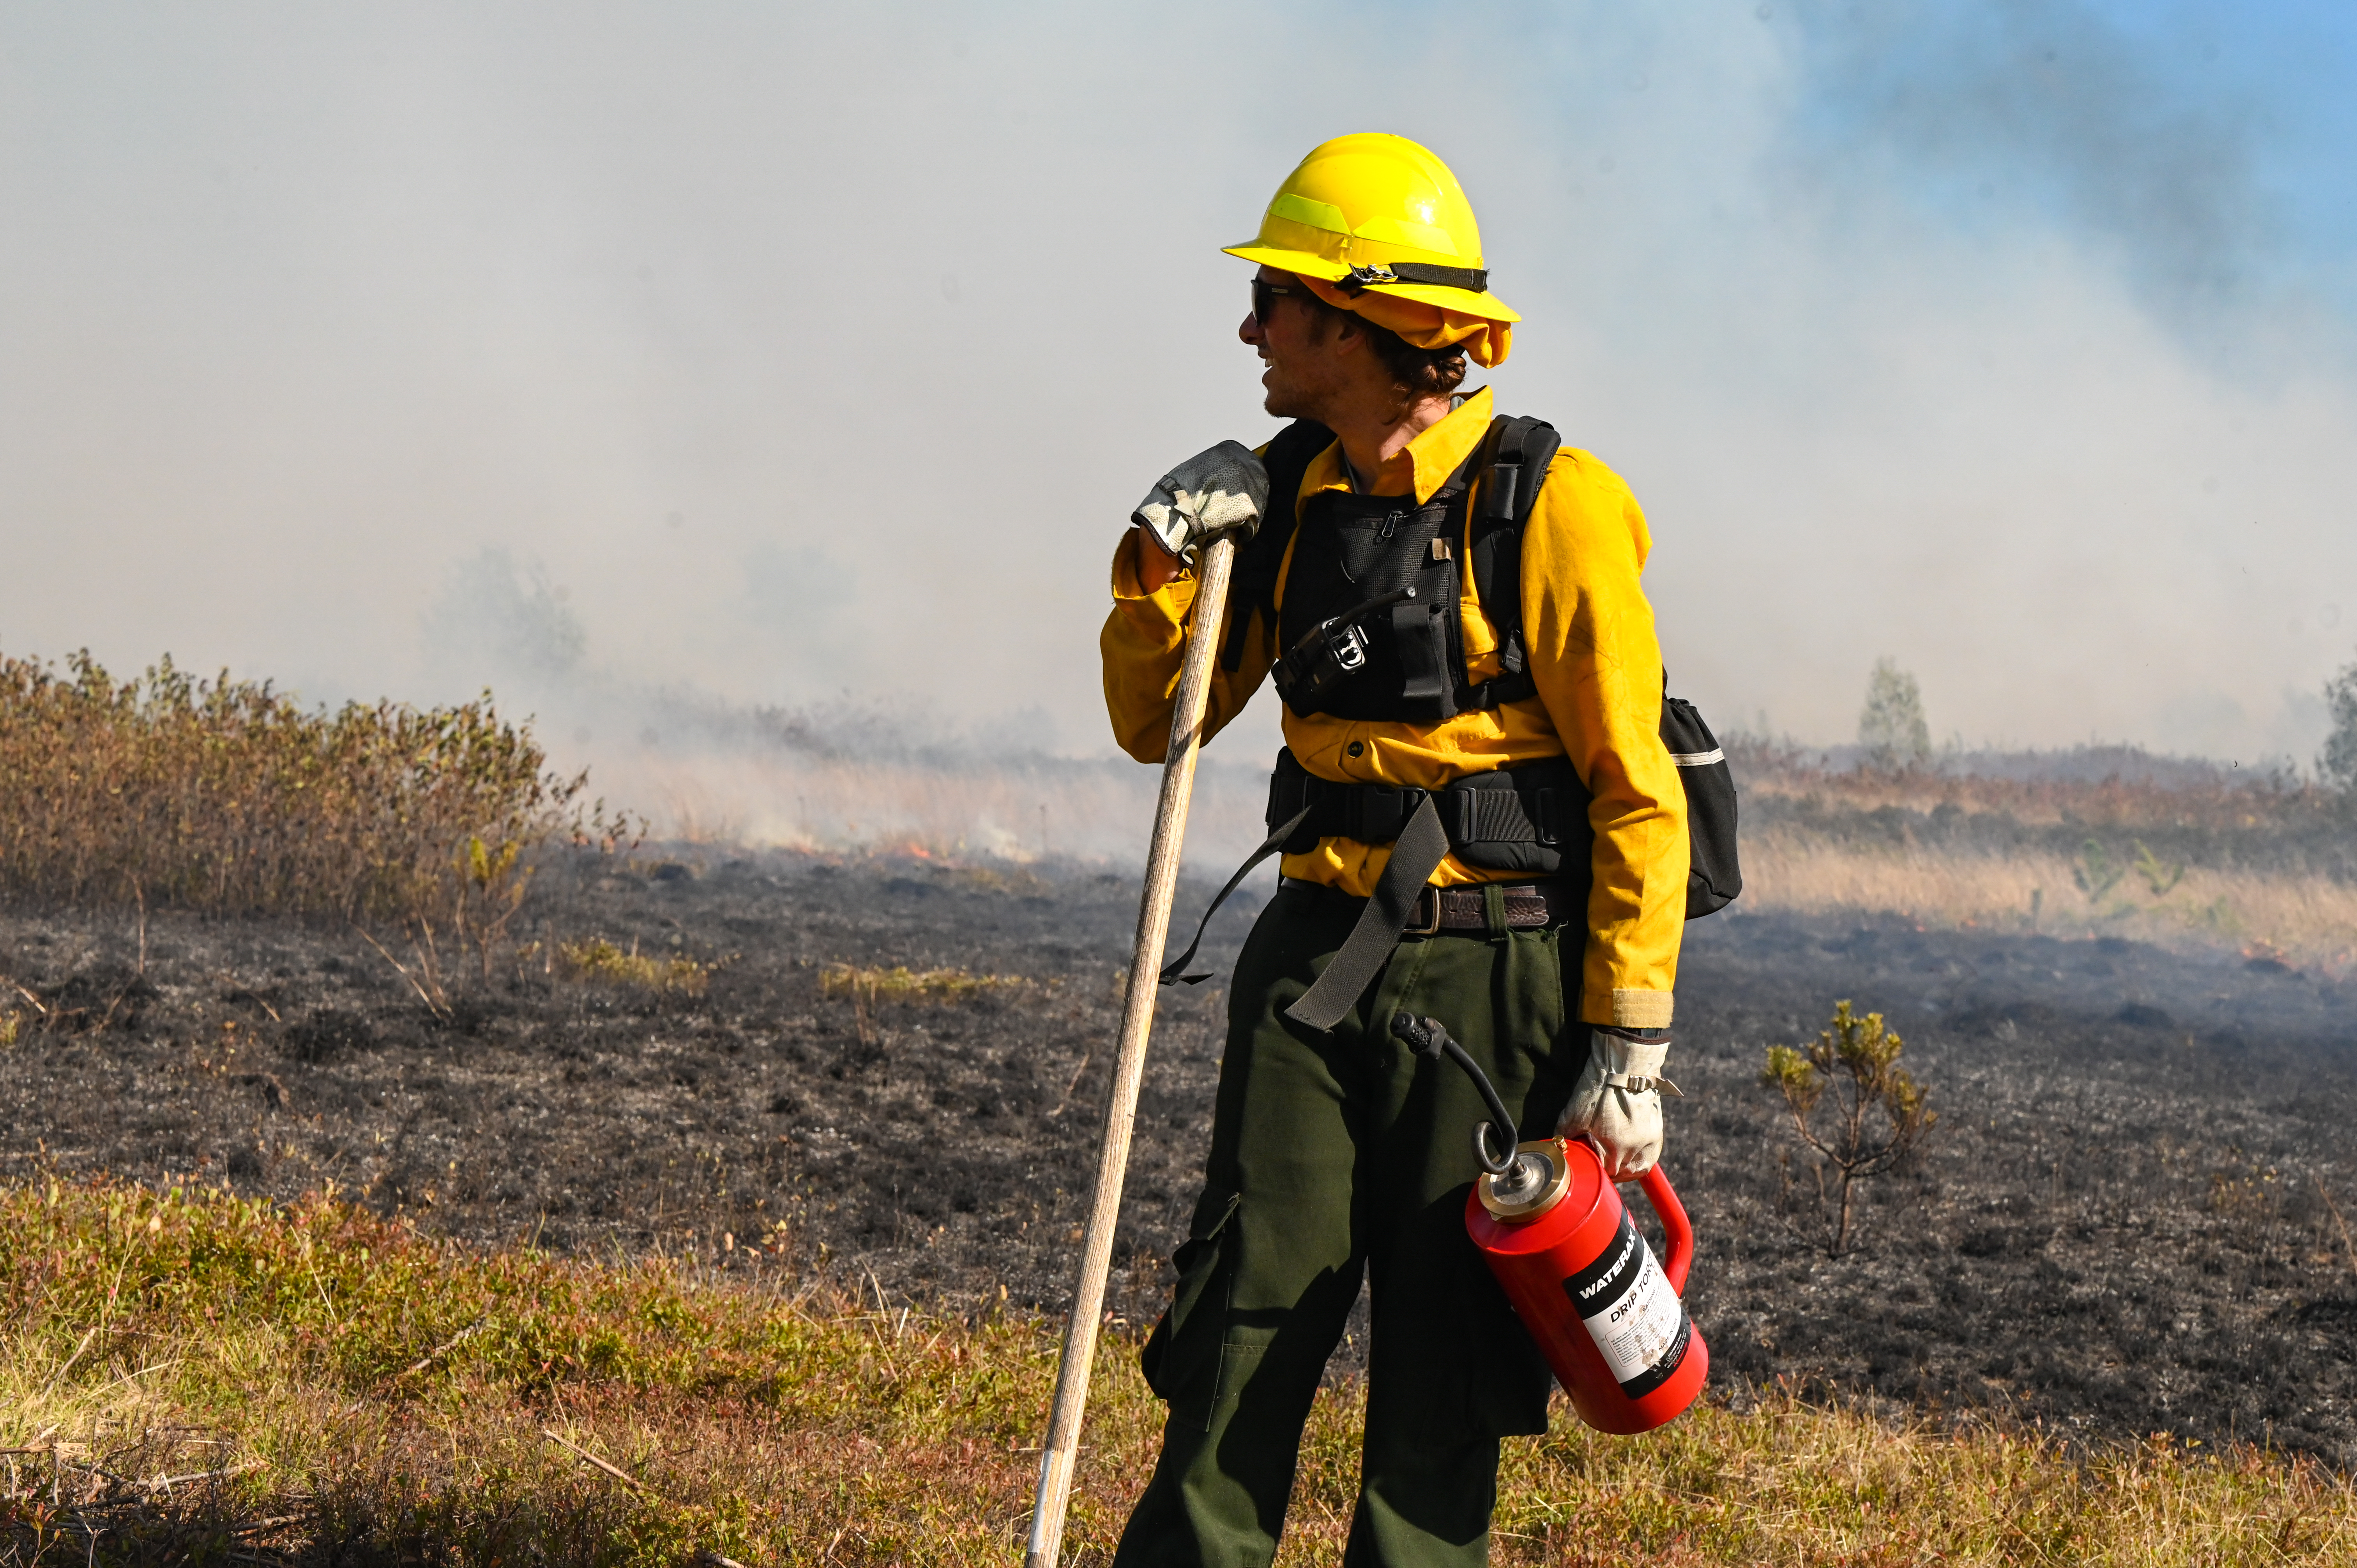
<point x="1304" y="353"/>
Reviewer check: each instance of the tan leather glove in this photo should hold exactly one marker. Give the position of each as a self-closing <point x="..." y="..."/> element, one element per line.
<point x="1617" y="1104"/>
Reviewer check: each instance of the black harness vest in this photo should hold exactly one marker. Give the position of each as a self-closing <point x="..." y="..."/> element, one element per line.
<point x="1371" y="631"/>
<point x="1370" y="628"/>
<point x="1352" y="550"/>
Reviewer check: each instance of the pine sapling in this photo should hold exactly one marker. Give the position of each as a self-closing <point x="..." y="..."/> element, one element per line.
<point x="1876" y="1115"/>
<point x="2160" y="875"/>
<point x="2096" y="873"/>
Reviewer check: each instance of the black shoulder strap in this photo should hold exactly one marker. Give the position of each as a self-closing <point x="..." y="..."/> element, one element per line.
<point x="1519" y="451"/>
<point x="1287" y="459"/>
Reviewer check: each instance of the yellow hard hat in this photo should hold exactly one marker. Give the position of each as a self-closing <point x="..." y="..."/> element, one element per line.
<point x="1382" y="212"/>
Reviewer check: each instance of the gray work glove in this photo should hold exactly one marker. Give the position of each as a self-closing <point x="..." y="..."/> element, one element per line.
<point x="1617" y="1104"/>
<point x="1225" y="488"/>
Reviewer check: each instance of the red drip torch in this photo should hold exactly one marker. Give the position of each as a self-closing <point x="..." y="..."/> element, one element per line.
<point x="1584" y="1282"/>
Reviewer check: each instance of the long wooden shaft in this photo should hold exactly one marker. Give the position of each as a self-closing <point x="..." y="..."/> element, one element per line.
<point x="1063" y="1447"/>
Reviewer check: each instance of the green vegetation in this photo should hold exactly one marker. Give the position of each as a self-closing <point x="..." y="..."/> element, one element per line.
<point x="226" y="797"/>
<point x="601" y="959"/>
<point x="190" y="1374"/>
<point x="903" y="984"/>
<point x="867" y="987"/>
<point x="1878" y="1112"/>
<point x="2096" y="872"/>
<point x="2161" y="877"/>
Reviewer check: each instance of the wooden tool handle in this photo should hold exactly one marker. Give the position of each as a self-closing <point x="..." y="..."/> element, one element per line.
<point x="1056" y="1455"/>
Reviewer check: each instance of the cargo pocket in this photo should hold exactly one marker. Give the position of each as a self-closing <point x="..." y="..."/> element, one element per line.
<point x="1181" y="1358"/>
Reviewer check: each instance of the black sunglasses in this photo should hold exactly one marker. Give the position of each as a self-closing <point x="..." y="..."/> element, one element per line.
<point x="1263" y="296"/>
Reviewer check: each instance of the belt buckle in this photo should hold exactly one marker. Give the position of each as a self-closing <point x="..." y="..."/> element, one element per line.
<point x="1434" y="928"/>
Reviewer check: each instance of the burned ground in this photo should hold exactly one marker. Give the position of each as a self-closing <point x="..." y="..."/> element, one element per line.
<point x="2127" y="1220"/>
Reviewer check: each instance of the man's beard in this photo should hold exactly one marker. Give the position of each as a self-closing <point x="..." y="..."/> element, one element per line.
<point x="1281" y="400"/>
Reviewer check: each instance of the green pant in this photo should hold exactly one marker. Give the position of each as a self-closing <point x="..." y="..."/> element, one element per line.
<point x="1332" y="1156"/>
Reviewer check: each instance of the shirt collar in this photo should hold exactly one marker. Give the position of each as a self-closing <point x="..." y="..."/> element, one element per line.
<point x="1425" y="463"/>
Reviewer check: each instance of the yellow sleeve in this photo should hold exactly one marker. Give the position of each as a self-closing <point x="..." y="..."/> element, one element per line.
<point x="1144" y="642"/>
<point x="1597" y="665"/>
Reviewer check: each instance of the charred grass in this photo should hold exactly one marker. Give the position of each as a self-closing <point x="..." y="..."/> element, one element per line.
<point x="750" y="1175"/>
<point x="193" y="1376"/>
<point x="711" y="1207"/>
<point x="2123" y="1224"/>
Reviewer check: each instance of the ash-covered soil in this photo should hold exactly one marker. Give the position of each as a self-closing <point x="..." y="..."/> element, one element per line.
<point x="2124" y="1223"/>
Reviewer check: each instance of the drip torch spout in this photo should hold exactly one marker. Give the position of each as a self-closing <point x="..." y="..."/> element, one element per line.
<point x="1426" y="1037"/>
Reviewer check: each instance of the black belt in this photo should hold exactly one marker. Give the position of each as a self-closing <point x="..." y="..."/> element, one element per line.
<point x="1528" y="906"/>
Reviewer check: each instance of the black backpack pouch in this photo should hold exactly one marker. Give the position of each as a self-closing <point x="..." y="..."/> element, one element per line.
<point x="1713" y="877"/>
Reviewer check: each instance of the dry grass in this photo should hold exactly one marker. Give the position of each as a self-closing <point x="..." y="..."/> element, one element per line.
<point x="227" y="797"/>
<point x="2306" y="920"/>
<point x="190" y="1374"/>
<point x="2059" y="844"/>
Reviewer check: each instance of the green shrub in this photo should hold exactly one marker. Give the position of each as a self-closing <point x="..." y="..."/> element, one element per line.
<point x="1876" y="1111"/>
<point x="229" y="797"/>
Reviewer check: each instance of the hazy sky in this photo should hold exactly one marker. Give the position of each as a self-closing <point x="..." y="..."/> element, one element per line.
<point x="778" y="352"/>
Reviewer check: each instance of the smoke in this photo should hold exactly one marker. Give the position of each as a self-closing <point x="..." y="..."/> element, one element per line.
<point x="650" y="366"/>
<point x="494" y="615"/>
<point x="842" y="773"/>
<point x="2080" y="120"/>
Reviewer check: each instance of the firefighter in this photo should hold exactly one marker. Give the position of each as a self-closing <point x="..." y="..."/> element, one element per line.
<point x="1479" y="822"/>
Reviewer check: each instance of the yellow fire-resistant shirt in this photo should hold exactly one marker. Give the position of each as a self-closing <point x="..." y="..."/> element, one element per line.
<point x="1588" y="639"/>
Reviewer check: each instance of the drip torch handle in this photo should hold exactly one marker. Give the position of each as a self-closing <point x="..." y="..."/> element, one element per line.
<point x="1676" y="1228"/>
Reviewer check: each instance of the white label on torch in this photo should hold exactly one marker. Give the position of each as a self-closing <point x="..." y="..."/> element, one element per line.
<point x="1635" y="1318"/>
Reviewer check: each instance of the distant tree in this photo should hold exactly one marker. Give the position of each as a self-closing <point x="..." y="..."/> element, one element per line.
<point x="2337" y="763"/>
<point x="496" y="617"/>
<point x="1891" y="726"/>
